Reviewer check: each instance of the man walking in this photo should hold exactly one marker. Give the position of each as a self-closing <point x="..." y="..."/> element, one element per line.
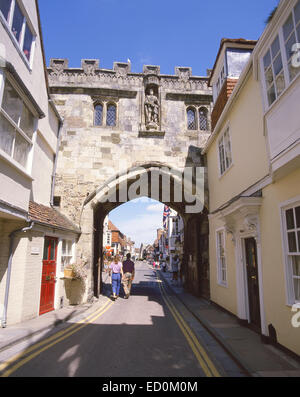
<point x="128" y="271"/>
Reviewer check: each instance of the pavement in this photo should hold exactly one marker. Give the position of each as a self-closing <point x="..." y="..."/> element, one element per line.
<point x="245" y="346"/>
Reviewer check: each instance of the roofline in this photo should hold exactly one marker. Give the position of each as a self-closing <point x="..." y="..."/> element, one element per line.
<point x="229" y="103"/>
<point x="231" y="41"/>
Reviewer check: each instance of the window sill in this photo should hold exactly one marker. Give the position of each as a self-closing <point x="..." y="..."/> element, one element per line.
<point x="15" y="165"/>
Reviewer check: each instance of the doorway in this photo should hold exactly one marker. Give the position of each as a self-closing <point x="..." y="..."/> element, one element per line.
<point x="253" y="283"/>
<point x="48" y="275"/>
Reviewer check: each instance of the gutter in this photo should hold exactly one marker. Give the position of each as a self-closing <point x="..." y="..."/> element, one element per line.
<point x="9" y="265"/>
<point x="56" y="157"/>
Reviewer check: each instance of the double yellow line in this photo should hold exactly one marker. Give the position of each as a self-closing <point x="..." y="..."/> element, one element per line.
<point x="49" y="342"/>
<point x="205" y="362"/>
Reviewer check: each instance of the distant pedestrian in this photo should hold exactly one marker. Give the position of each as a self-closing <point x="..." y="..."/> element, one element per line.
<point x="116" y="271"/>
<point x="175" y="266"/>
<point x="128" y="275"/>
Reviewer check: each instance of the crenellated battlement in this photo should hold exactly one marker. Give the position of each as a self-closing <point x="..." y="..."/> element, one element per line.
<point x="91" y="75"/>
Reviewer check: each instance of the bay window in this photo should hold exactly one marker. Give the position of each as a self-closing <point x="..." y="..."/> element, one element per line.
<point x="17" y="125"/>
<point x="278" y="68"/>
<point x="18" y="26"/>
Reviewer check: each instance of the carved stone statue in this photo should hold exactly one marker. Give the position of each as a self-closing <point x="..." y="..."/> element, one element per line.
<point x="151" y="111"/>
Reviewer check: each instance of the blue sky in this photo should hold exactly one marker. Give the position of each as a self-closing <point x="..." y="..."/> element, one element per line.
<point x="168" y="33"/>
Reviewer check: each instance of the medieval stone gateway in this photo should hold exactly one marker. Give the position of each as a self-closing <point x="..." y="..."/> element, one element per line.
<point x="120" y="127"/>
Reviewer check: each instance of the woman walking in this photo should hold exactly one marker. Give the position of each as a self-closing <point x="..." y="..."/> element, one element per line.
<point x="117" y="273"/>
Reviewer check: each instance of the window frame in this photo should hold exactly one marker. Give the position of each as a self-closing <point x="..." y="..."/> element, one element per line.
<point x="221" y="265"/>
<point x="102" y="116"/>
<point x="19" y="44"/>
<point x="196" y="109"/>
<point x="284" y="207"/>
<point x="70" y="255"/>
<point x="206" y="118"/>
<point x="288" y="82"/>
<point x="16" y="126"/>
<point x="112" y="104"/>
<point x="221" y="138"/>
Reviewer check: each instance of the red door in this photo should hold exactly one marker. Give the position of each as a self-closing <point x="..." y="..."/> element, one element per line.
<point x="48" y="275"/>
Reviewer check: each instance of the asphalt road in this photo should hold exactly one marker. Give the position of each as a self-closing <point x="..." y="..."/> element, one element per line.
<point x="148" y="335"/>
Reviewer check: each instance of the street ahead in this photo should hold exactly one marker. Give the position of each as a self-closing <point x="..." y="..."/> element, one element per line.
<point x="150" y="335"/>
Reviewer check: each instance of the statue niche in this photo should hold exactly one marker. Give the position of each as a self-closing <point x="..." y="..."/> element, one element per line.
<point x="152" y="109"/>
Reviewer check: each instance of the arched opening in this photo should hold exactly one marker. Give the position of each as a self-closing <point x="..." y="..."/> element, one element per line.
<point x="183" y="192"/>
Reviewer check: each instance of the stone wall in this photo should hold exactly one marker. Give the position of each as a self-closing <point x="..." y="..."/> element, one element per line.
<point x="89" y="155"/>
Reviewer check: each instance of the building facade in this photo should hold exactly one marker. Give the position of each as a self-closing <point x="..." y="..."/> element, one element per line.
<point x="35" y="239"/>
<point x="253" y="160"/>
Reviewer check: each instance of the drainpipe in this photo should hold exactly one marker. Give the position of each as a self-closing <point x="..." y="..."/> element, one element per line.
<point x="56" y="156"/>
<point x="11" y="243"/>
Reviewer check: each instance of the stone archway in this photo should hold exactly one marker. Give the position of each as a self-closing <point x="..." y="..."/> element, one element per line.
<point x="183" y="191"/>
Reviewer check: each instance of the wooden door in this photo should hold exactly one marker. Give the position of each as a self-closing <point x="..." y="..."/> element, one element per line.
<point x="48" y="275"/>
<point x="253" y="282"/>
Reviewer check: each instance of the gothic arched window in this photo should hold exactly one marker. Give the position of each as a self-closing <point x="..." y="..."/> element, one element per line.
<point x="191" y="119"/>
<point x="98" y="114"/>
<point x="111" y="115"/>
<point x="203" y="122"/>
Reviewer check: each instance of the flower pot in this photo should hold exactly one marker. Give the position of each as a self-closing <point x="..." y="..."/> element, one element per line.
<point x="68" y="273"/>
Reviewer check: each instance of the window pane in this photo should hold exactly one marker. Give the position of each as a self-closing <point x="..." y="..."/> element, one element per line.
<point x="289" y="45"/>
<point x="296" y="266"/>
<point x="288" y="27"/>
<point x="292" y="241"/>
<point x="17" y="22"/>
<point x="27" y="122"/>
<point x="7" y="135"/>
<point x="269" y="77"/>
<point x="298" y="234"/>
<point x="290" y="219"/>
<point x="227" y="149"/>
<point x="63" y="249"/>
<point x="277" y="65"/>
<point x="297" y="289"/>
<point x="21" y="150"/>
<point x="98" y="115"/>
<point x="271" y="95"/>
<point x="298" y="32"/>
<point x="46" y="249"/>
<point x="5" y="7"/>
<point x="111" y="115"/>
<point x="297" y="211"/>
<point x="191" y="119"/>
<point x="12" y="103"/>
<point x="52" y="250"/>
<point x="280" y="84"/>
<point x="222" y="157"/>
<point x="293" y="72"/>
<point x="69" y="245"/>
<point x="203" y="119"/>
<point x="267" y="60"/>
<point x="27" y="42"/>
<point x="275" y="47"/>
<point x="297" y="12"/>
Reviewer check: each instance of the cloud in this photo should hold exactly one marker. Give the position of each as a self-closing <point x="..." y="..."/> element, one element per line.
<point x="155" y="207"/>
<point x="143" y="228"/>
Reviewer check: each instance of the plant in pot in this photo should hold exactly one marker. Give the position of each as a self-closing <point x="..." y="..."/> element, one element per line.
<point x="75" y="271"/>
